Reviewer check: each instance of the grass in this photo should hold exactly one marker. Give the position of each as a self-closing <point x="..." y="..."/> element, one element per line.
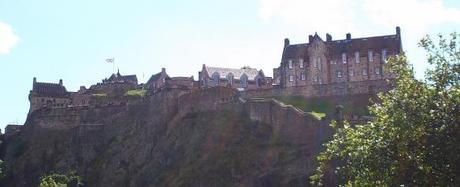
<point x="319" y="107"/>
<point x="136" y="93"/>
<point x="100" y="95"/>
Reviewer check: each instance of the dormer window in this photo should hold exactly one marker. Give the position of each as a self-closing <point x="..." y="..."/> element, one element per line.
<point x="301" y="62"/>
<point x="290" y="64"/>
<point x="370" y="56"/>
<point x="357" y="57"/>
<point x="216" y="78"/>
<point x="344" y="58"/>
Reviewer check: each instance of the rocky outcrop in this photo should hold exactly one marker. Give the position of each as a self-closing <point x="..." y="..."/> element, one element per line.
<point x="205" y="138"/>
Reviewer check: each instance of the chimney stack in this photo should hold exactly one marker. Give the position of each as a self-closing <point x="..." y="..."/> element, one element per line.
<point x="398" y="31"/>
<point x="163" y="70"/>
<point x="60" y="82"/>
<point x="348" y="36"/>
<point x="35" y="80"/>
<point x="286" y="42"/>
<point x="328" y="37"/>
<point x="310" y="38"/>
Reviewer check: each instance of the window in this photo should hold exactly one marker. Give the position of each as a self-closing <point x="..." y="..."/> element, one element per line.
<point x="339" y="74"/>
<point x="319" y="63"/>
<point x="320" y="80"/>
<point x="290" y="64"/>
<point x="384" y="55"/>
<point x="357" y="57"/>
<point x="370" y="56"/>
<point x="333" y="62"/>
<point x="352" y="73"/>
<point x="301" y="63"/>
<point x="364" y="72"/>
<point x="377" y="71"/>
<point x="302" y="77"/>
<point x="344" y="58"/>
<point x="291" y="78"/>
<point x="315" y="63"/>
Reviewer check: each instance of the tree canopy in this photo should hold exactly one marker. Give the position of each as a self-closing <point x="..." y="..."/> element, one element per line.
<point x="414" y="137"/>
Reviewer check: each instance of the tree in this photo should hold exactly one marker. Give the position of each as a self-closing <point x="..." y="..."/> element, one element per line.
<point x="414" y="138"/>
<point x="59" y="180"/>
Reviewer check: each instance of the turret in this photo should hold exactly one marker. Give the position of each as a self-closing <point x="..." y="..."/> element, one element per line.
<point x="348" y="36"/>
<point x="286" y="42"/>
<point x="328" y="37"/>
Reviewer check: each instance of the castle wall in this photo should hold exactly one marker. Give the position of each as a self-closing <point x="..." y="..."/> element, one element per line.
<point x="325" y="90"/>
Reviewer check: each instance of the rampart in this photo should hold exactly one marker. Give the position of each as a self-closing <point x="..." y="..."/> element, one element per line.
<point x="325" y="90"/>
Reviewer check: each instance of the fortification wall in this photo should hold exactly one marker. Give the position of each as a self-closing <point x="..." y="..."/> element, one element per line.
<point x="325" y="90"/>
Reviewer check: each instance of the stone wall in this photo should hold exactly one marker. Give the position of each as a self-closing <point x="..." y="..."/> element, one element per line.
<point x="325" y="90"/>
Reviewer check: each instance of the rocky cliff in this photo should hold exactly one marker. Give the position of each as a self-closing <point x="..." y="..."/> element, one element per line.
<point x="205" y="138"/>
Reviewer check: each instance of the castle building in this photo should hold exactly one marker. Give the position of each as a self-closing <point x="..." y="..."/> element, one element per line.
<point x="157" y="81"/>
<point x="48" y="95"/>
<point x="245" y="78"/>
<point x="336" y="61"/>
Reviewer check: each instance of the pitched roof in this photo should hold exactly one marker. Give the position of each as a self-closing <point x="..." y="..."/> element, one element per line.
<point x="156" y="77"/>
<point x="237" y="73"/>
<point x="337" y="47"/>
<point x="122" y="78"/>
<point x="49" y="89"/>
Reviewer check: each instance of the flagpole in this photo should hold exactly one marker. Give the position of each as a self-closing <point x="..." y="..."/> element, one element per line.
<point x="113" y="65"/>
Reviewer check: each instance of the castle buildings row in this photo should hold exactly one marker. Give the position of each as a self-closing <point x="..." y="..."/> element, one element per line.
<point x="318" y="62"/>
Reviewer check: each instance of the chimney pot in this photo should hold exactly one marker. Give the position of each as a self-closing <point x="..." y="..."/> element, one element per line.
<point x="286" y="42"/>
<point x="60" y="82"/>
<point x="328" y="37"/>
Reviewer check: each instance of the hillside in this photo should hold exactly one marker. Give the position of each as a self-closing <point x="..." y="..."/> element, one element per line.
<point x="207" y="138"/>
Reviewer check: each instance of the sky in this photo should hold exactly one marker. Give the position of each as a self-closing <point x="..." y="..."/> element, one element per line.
<point x="70" y="40"/>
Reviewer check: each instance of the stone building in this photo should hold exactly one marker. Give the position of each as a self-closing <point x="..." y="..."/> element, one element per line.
<point x="245" y="78"/>
<point x="157" y="81"/>
<point x="48" y="95"/>
<point x="116" y="83"/>
<point x="336" y="61"/>
<point x="184" y="83"/>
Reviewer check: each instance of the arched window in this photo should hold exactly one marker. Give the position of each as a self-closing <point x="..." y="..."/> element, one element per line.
<point x="216" y="78"/>
<point x="244" y="81"/>
<point x="230" y="78"/>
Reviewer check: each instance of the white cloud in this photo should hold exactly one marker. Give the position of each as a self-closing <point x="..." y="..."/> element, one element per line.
<point x="8" y="39"/>
<point x="364" y="18"/>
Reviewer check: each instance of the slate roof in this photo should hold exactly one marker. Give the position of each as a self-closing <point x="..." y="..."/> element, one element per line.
<point x="156" y="77"/>
<point x="336" y="47"/>
<point x="49" y="90"/>
<point x="122" y="78"/>
<point x="237" y="73"/>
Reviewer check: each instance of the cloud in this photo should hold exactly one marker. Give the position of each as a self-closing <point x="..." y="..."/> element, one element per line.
<point x="8" y="39"/>
<point x="360" y="16"/>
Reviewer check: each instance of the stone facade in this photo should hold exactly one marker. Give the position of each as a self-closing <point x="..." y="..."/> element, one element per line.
<point x="48" y="95"/>
<point x="157" y="81"/>
<point x="245" y="78"/>
<point x="321" y="62"/>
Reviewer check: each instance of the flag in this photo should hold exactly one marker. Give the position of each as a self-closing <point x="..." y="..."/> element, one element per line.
<point x="110" y="60"/>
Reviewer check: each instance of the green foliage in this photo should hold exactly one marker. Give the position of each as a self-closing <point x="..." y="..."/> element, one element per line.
<point x="415" y="136"/>
<point x="100" y="95"/>
<point x="136" y="93"/>
<point x="59" y="180"/>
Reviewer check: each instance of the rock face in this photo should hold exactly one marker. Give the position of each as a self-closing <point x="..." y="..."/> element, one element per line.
<point x="206" y="138"/>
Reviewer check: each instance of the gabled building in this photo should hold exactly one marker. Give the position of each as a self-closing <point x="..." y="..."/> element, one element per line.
<point x="48" y="95"/>
<point x="157" y="81"/>
<point x="118" y="78"/>
<point x="245" y="78"/>
<point x="336" y="61"/>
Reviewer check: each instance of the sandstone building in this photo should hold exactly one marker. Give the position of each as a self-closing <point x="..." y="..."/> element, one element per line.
<point x="48" y="95"/>
<point x="245" y="78"/>
<point x="336" y="61"/>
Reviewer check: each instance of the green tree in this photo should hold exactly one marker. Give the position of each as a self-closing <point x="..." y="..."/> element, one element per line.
<point x="59" y="180"/>
<point x="414" y="138"/>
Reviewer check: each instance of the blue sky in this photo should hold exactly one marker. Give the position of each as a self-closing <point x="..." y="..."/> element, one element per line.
<point x="70" y="40"/>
